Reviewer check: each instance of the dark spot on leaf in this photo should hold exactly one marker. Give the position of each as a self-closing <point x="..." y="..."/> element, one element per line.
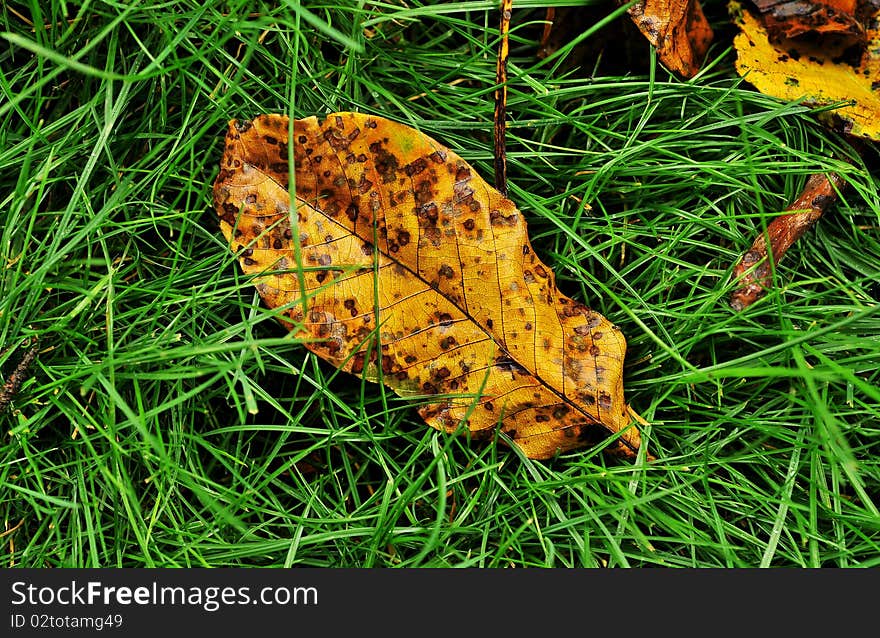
<point x="428" y="215"/>
<point x="243" y="126"/>
<point x="415" y="167"/>
<point x="357" y="362"/>
<point x="423" y="193"/>
<point x="499" y="219"/>
<point x="364" y="185"/>
<point x="385" y="163"/>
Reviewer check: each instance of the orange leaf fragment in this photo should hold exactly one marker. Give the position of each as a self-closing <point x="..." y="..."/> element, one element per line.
<point x="677" y="29"/>
<point x="419" y="275"/>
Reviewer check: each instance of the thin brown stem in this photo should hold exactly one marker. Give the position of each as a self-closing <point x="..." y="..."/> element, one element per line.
<point x="501" y="99"/>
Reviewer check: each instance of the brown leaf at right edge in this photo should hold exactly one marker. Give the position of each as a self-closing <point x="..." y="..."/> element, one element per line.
<point x="786" y="19"/>
<point x="835" y="62"/>
<point x="417" y="274"/>
<point x="677" y="29"/>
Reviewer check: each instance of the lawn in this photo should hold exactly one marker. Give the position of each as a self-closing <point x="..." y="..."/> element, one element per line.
<point x="168" y="420"/>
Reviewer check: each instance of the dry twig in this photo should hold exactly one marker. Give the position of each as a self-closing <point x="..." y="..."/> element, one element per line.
<point x="754" y="269"/>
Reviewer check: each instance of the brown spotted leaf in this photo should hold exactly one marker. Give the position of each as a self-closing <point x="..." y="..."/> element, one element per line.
<point x="678" y="30"/>
<point x="419" y="275"/>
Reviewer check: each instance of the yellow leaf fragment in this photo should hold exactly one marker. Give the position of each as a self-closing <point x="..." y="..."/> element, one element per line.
<point x="816" y="71"/>
<point x="419" y="275"/>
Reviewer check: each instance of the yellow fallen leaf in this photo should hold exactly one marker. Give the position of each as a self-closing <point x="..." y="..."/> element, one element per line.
<point x="814" y="71"/>
<point x="395" y="261"/>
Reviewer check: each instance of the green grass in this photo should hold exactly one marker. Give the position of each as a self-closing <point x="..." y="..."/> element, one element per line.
<point x="169" y="421"/>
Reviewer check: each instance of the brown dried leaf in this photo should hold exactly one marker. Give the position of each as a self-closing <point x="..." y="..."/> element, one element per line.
<point x="796" y="18"/>
<point x="679" y="31"/>
<point x="419" y="275"/>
